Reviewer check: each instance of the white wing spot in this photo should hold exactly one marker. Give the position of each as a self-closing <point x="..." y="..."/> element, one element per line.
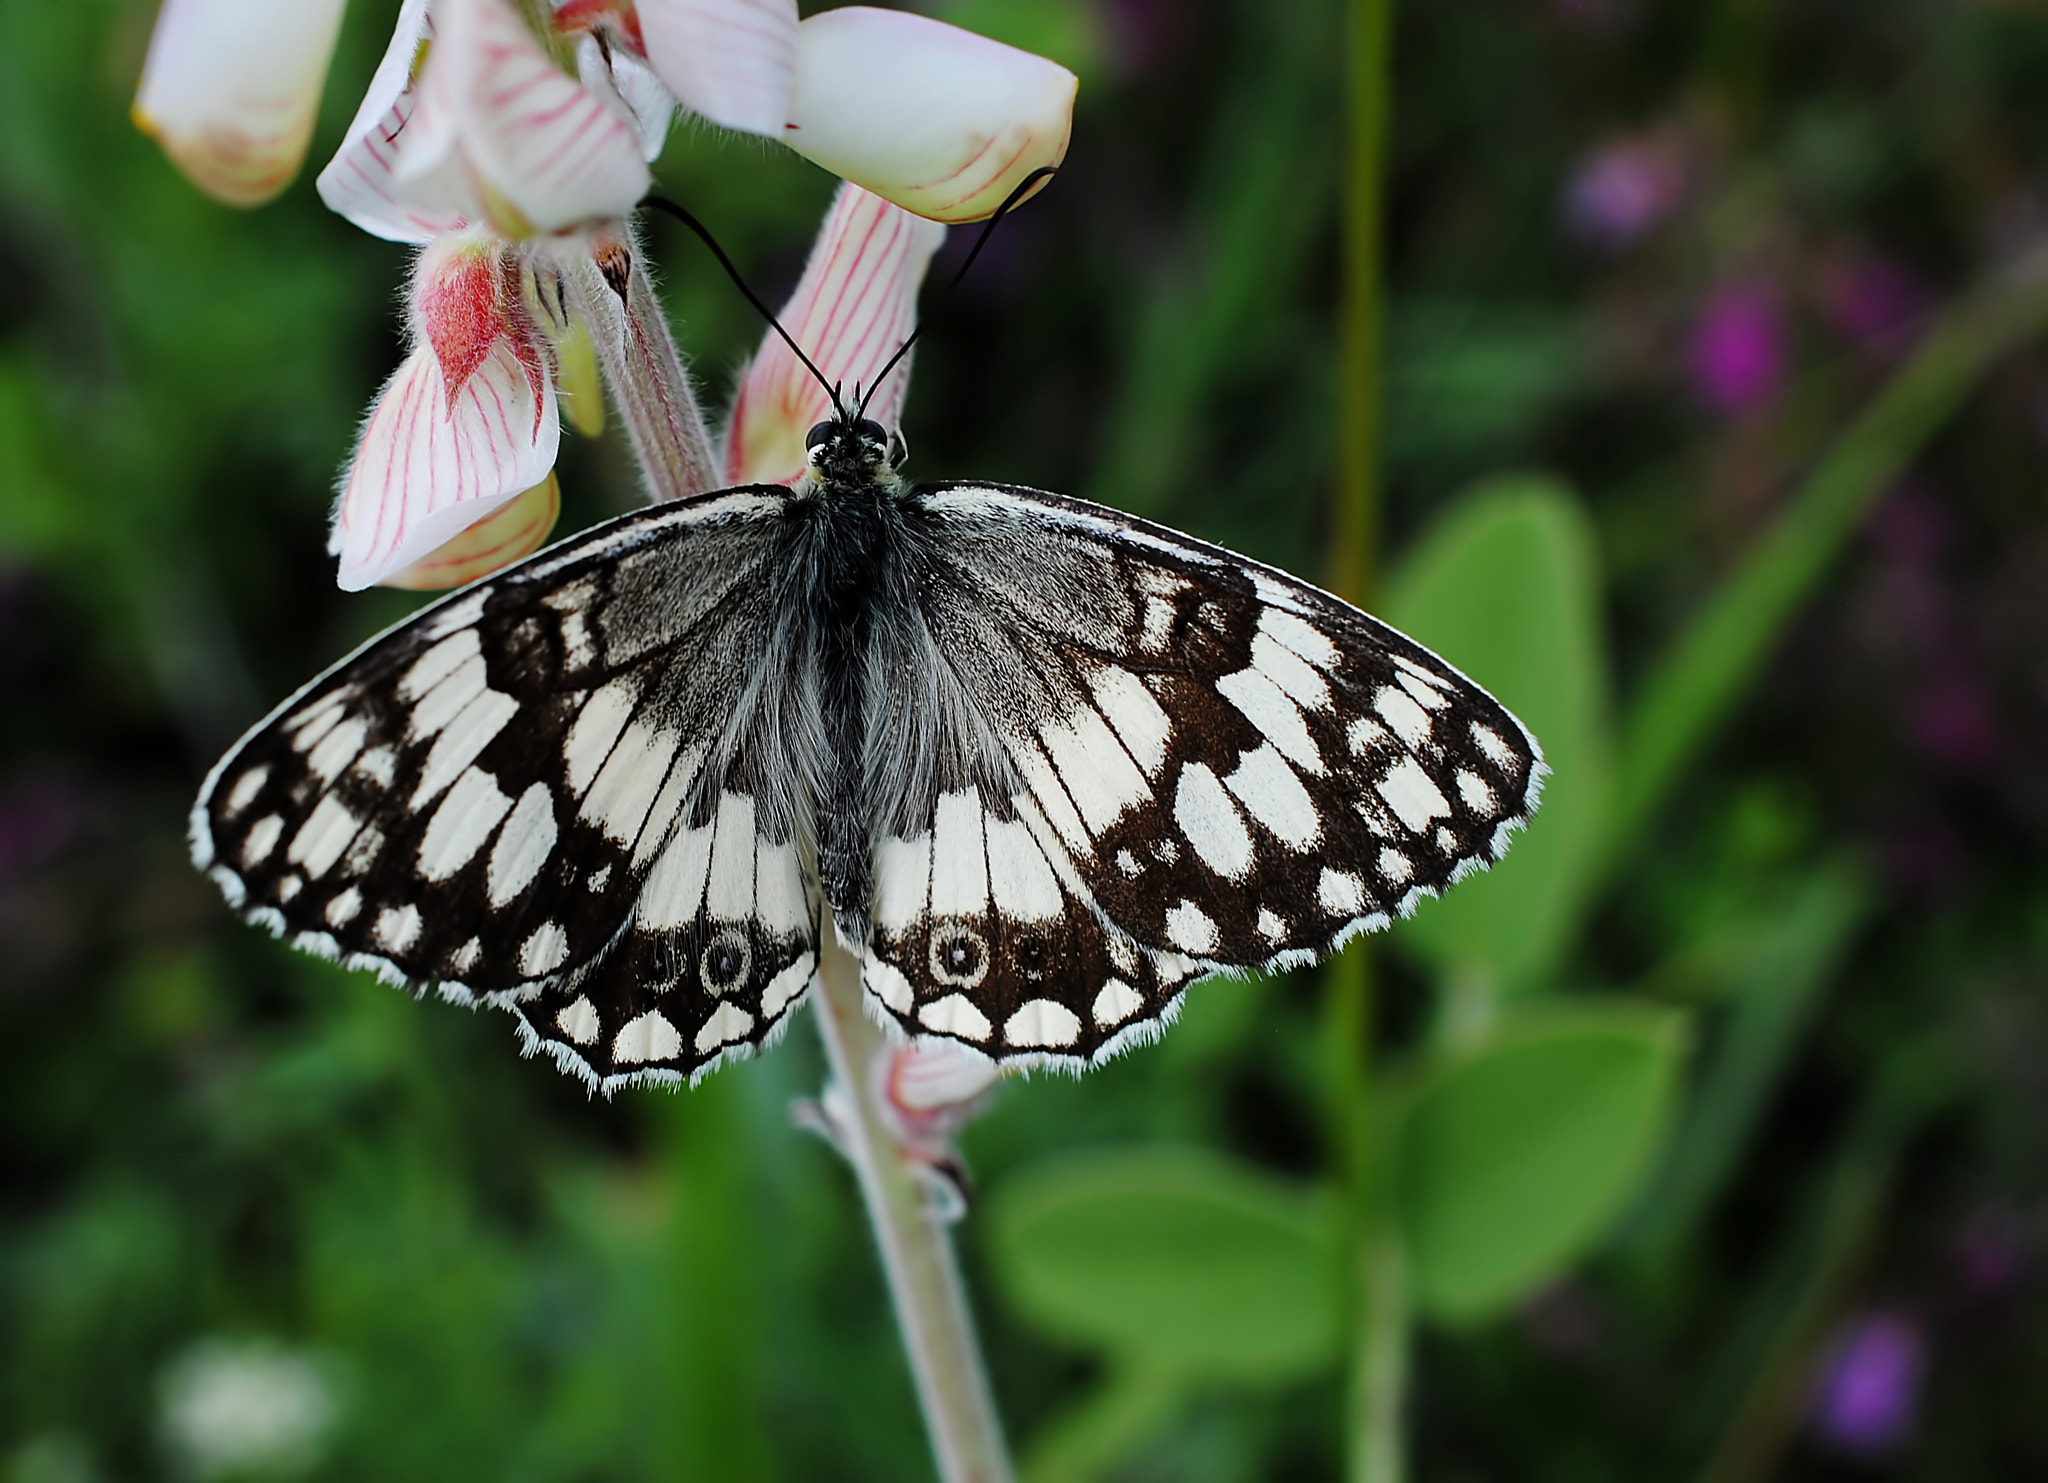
<point x="1042" y="1022"/>
<point x="544" y="950"/>
<point x="888" y="984"/>
<point x="597" y="727"/>
<point x="785" y="986"/>
<point x="1428" y="698"/>
<point x="1019" y="876"/>
<point x="322" y="838"/>
<point x="649" y="1038"/>
<point x="261" y="841"/>
<point x="675" y="887"/>
<point x="1128" y="864"/>
<point x="398" y="928"/>
<point x="290" y="885"/>
<point x="1117" y="1002"/>
<point x="362" y="854"/>
<point x="624" y="791"/>
<point x="599" y="880"/>
<point x="523" y="846"/>
<point x="1298" y="635"/>
<point x="1340" y="894"/>
<point x="1365" y="736"/>
<point x="439" y="662"/>
<point x="954" y="1015"/>
<point x="779" y="904"/>
<point x="1275" y="797"/>
<point x="1396" y="866"/>
<point x="1272" y="928"/>
<point x="728" y="1023"/>
<point x="578" y="1020"/>
<point x="1279" y="720"/>
<point x="1135" y="715"/>
<point x="1446" y="841"/>
<point x="1488" y="740"/>
<point x="903" y="872"/>
<point x="1478" y="797"/>
<point x="247" y="786"/>
<point x="344" y="908"/>
<point x="667" y="804"/>
<point x="338" y="748"/>
<point x="461" y="824"/>
<point x="465" y="957"/>
<point x="959" y="857"/>
<point x="1211" y="822"/>
<point x="467" y="735"/>
<point x="1098" y="773"/>
<point x="1188" y="927"/>
<point x="379" y="765"/>
<point x="1290" y="672"/>
<point x="729" y="894"/>
<point x="448" y="699"/>
<point x="1399" y="710"/>
<point x="1052" y="800"/>
<point x="318" y="725"/>
<point x="1411" y="795"/>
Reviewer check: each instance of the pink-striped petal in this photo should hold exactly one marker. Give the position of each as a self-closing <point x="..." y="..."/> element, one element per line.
<point x="425" y="470"/>
<point x="731" y="61"/>
<point x="231" y="87"/>
<point x="513" y="530"/>
<point x="358" y="182"/>
<point x="537" y="150"/>
<point x="855" y="305"/>
<point x="941" y="121"/>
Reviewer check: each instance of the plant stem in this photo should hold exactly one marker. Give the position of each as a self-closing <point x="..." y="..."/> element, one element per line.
<point x="917" y="1251"/>
<point x="1378" y="1366"/>
<point x="649" y="385"/>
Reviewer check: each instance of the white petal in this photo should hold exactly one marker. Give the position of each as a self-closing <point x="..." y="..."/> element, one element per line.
<point x="653" y="109"/>
<point x="357" y="182"/>
<point x="537" y="150"/>
<point x="231" y="88"/>
<point x="939" y="120"/>
<point x="730" y="60"/>
<point x="856" y="303"/>
<point x="512" y="530"/>
<point x="423" y="472"/>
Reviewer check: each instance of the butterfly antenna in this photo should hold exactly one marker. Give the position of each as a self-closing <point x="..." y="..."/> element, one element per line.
<point x="663" y="204"/>
<point x="1024" y="188"/>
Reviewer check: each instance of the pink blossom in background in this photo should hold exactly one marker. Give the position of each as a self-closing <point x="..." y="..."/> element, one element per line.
<point x="1870" y="1385"/>
<point x="1735" y="359"/>
<point x="1622" y="189"/>
<point x="1870" y="300"/>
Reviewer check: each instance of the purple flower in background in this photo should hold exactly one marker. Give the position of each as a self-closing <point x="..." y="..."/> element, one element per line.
<point x="1870" y="1385"/>
<point x="1736" y="357"/>
<point x="1622" y="189"/>
<point x="1869" y="299"/>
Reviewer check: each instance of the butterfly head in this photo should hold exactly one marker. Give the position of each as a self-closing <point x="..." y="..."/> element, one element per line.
<point x="854" y="448"/>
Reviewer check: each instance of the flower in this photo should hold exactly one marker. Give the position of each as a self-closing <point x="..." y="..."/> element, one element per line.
<point x="489" y="126"/>
<point x="1870" y="1385"/>
<point x="1737" y="354"/>
<point x="230" y="89"/>
<point x="853" y="308"/>
<point x="468" y="425"/>
<point x="1623" y="189"/>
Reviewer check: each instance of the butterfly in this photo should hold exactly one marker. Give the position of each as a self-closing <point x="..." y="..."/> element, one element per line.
<point x="1039" y="766"/>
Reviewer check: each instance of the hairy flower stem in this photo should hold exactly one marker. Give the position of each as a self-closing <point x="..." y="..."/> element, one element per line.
<point x="917" y="1251"/>
<point x="649" y="385"/>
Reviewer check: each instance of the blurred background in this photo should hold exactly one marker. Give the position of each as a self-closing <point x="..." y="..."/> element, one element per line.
<point x="1715" y="432"/>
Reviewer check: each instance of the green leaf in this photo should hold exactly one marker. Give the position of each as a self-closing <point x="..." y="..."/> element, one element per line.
<point x="1507" y="588"/>
<point x="1515" y="1154"/>
<point x="1176" y="1259"/>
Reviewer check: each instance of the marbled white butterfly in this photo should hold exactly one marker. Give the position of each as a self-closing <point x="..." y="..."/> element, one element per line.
<point x="1042" y="764"/>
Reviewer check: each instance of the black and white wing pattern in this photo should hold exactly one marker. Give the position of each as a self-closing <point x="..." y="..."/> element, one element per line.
<point x="563" y="791"/>
<point x="1145" y="760"/>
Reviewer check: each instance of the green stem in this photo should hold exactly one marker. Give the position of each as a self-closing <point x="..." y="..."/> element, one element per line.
<point x="1378" y="1368"/>
<point x="917" y="1251"/>
<point x="1695" y="688"/>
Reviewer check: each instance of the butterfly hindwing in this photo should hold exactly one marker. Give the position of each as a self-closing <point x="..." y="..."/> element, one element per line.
<point x="546" y="792"/>
<point x="1222" y="765"/>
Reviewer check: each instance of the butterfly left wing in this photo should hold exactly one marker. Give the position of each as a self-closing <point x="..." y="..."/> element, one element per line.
<point x="1219" y="766"/>
<point x="558" y="792"/>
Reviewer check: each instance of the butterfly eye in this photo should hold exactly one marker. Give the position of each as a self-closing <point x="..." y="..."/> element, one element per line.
<point x="817" y="438"/>
<point x="899" y="451"/>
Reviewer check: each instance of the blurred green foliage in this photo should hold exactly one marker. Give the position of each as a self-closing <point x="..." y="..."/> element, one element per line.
<point x="1776" y="617"/>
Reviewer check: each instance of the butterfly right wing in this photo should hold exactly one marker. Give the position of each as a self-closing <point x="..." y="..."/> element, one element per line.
<point x="561" y="791"/>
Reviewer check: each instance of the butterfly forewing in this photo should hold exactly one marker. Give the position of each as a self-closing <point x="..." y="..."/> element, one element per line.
<point x="557" y="792"/>
<point x="1183" y="755"/>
